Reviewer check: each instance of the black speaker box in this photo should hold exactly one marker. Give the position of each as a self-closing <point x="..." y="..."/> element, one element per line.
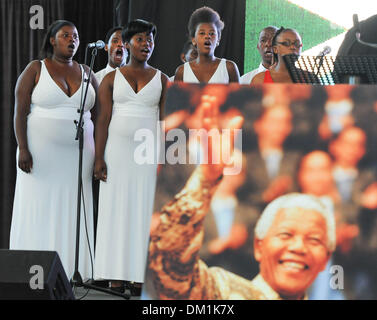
<point x="33" y="275"/>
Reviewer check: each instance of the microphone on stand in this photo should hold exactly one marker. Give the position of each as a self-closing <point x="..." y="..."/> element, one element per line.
<point x="99" y="44"/>
<point x="320" y="56"/>
<point x="325" y="50"/>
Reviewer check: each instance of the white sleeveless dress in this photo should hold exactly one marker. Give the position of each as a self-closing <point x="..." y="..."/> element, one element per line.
<point x="220" y="75"/>
<point x="45" y="202"/>
<point x="126" y="198"/>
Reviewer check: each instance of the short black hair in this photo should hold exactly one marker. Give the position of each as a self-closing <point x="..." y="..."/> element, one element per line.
<point x="47" y="49"/>
<point x="110" y="33"/>
<point x="274" y="28"/>
<point x="138" y="26"/>
<point x="204" y="15"/>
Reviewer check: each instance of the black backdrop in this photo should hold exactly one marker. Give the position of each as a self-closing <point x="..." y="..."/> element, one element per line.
<point x="171" y="17"/>
<point x="20" y="44"/>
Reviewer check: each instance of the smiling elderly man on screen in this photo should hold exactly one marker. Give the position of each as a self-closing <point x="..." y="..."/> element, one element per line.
<point x="294" y="239"/>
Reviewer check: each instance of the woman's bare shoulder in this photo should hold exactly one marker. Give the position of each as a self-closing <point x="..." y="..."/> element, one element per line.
<point x="258" y="78"/>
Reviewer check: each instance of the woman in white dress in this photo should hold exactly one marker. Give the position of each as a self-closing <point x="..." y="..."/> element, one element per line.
<point x="47" y="97"/>
<point x="131" y="100"/>
<point x="205" y="29"/>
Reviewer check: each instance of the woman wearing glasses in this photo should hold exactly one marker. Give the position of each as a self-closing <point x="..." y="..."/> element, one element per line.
<point x="285" y="41"/>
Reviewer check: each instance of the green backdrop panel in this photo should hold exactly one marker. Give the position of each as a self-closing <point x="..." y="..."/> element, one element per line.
<point x="262" y="13"/>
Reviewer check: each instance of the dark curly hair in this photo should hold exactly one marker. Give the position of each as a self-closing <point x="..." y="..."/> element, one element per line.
<point x="204" y="15"/>
<point x="138" y="26"/>
<point x="47" y="50"/>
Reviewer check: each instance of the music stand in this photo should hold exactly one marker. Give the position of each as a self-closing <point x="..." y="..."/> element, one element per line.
<point x="330" y="70"/>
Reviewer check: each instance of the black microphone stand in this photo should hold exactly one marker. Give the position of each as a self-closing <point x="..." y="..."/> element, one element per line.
<point x="76" y="280"/>
<point x="320" y="64"/>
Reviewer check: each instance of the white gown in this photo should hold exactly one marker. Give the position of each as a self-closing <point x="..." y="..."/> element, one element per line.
<point x="45" y="202"/>
<point x="220" y="75"/>
<point x="126" y="198"/>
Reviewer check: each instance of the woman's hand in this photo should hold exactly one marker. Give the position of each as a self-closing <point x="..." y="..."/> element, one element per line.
<point x="100" y="170"/>
<point x="25" y="160"/>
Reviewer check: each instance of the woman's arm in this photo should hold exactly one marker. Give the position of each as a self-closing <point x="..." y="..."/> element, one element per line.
<point x="179" y="73"/>
<point x="258" y="79"/>
<point x="234" y="74"/>
<point x="164" y="82"/>
<point x="105" y="108"/>
<point x="94" y="83"/>
<point x="24" y="88"/>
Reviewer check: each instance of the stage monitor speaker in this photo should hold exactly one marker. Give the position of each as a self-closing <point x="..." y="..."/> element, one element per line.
<point x="33" y="275"/>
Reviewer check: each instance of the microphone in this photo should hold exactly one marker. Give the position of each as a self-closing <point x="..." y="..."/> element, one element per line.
<point x="325" y="50"/>
<point x="321" y="57"/>
<point x="99" y="44"/>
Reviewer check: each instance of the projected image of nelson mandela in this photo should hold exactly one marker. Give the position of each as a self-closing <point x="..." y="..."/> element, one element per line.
<point x="294" y="239"/>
